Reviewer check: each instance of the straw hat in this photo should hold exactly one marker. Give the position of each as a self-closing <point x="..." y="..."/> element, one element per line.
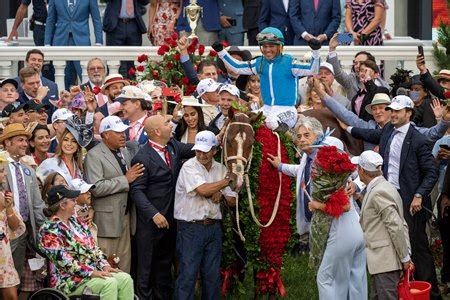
<point x="113" y="78"/>
<point x="192" y="101"/>
<point x="443" y="74"/>
<point x="12" y="130"/>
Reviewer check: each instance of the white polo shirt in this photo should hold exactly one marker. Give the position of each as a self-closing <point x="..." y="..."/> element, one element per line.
<point x="189" y="206"/>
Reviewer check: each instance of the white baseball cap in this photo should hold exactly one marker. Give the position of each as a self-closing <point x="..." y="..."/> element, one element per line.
<point x="81" y="185"/>
<point x="368" y="160"/>
<point x="61" y="114"/>
<point x="333" y="141"/>
<point x="112" y="123"/>
<point x="232" y="89"/>
<point x="207" y="86"/>
<point x="400" y="102"/>
<point x="327" y="66"/>
<point x="204" y="141"/>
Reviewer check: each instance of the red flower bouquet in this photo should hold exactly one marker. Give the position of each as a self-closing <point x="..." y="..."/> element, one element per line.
<point x="329" y="176"/>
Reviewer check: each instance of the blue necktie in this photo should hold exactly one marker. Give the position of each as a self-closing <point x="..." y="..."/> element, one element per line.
<point x="387" y="151"/>
<point x="22" y="191"/>
<point x="307" y="177"/>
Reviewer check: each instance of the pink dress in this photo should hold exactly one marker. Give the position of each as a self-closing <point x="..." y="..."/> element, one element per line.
<point x="166" y="12"/>
<point x="8" y="274"/>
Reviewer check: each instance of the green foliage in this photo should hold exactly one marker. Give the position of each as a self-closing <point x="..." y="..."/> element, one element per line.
<point x="442" y="56"/>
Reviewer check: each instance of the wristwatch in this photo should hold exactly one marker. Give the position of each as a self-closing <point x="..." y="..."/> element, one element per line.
<point x="417" y="195"/>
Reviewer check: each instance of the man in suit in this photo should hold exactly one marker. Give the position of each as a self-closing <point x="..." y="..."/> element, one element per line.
<point x="96" y="71"/>
<point x="409" y="166"/>
<point x="24" y="186"/>
<point x="208" y="24"/>
<point x="385" y="229"/>
<point x="317" y="19"/>
<point x="124" y="26"/>
<point x="68" y="25"/>
<point x="153" y="194"/>
<point x="231" y="20"/>
<point x="276" y="14"/>
<point x="31" y="86"/>
<point x="108" y="168"/>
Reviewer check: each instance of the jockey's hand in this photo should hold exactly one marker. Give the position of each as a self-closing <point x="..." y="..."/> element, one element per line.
<point x="274" y="160"/>
<point x="315" y="44"/>
<point x="217" y="46"/>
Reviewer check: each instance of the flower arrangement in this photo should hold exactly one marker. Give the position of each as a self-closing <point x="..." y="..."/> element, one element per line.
<point x="169" y="69"/>
<point x="330" y="173"/>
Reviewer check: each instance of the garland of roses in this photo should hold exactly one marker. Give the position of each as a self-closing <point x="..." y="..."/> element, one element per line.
<point x="265" y="247"/>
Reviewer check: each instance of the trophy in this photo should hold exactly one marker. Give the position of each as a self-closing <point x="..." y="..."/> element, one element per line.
<point x="192" y="13"/>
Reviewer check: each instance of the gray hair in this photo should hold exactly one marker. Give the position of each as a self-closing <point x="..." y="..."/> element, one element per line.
<point x="309" y="123"/>
<point x="96" y="59"/>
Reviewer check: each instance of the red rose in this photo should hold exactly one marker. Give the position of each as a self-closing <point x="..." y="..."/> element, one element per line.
<point x="161" y="51"/>
<point x="191" y="49"/>
<point x="225" y="44"/>
<point x="169" y="65"/>
<point x="155" y="74"/>
<point x="131" y="71"/>
<point x="140" y="68"/>
<point x="212" y="53"/>
<point x="201" y="49"/>
<point x="174" y="36"/>
<point x="96" y="90"/>
<point x="173" y="43"/>
<point x="167" y="40"/>
<point x="177" y="56"/>
<point x="141" y="58"/>
<point x="194" y="42"/>
<point x="164" y="16"/>
<point x="185" y="80"/>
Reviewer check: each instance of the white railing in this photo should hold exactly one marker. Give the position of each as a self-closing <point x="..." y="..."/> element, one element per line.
<point x="393" y="56"/>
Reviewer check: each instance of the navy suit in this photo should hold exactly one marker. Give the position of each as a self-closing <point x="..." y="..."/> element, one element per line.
<point x="112" y="11"/>
<point x="273" y="14"/>
<point x="152" y="193"/>
<point x="304" y="17"/>
<point x="417" y="174"/>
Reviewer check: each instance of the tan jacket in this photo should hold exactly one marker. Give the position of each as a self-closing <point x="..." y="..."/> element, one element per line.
<point x="385" y="229"/>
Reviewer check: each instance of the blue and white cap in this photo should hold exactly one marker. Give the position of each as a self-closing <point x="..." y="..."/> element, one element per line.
<point x="204" y="141"/>
<point x="112" y="123"/>
<point x="400" y="102"/>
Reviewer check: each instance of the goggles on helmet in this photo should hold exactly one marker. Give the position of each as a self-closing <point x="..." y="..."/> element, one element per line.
<point x="263" y="38"/>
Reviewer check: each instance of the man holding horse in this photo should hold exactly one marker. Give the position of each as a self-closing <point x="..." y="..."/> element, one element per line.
<point x="201" y="185"/>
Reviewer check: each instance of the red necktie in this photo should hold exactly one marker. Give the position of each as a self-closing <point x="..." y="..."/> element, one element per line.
<point x="316" y="4"/>
<point x="165" y="151"/>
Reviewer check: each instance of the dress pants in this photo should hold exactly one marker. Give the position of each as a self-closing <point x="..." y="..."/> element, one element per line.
<point x="155" y="259"/>
<point x="384" y="285"/>
<point x="19" y="249"/>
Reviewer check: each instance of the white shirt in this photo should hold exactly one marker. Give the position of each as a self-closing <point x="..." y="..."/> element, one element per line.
<point x="394" y="155"/>
<point x="286" y="5"/>
<point x="189" y="206"/>
<point x="137" y="127"/>
<point x="160" y="153"/>
<point x="13" y="184"/>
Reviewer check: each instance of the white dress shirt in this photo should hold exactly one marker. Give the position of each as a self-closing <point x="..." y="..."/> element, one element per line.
<point x="13" y="184"/>
<point x="189" y="206"/>
<point x="394" y="155"/>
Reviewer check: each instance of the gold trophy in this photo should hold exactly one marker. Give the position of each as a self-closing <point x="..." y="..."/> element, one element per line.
<point x="193" y="11"/>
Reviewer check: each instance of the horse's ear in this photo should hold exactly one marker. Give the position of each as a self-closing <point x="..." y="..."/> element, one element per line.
<point x="255" y="117"/>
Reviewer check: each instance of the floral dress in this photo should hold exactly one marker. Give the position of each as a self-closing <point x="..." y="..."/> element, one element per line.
<point x="72" y="252"/>
<point x="362" y="15"/>
<point x="166" y="12"/>
<point x="8" y="273"/>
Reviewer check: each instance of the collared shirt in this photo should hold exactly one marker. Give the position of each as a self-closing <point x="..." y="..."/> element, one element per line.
<point x="137" y="127"/>
<point x="358" y="102"/>
<point x="209" y="113"/>
<point x="286" y="5"/>
<point x="189" y="206"/>
<point x="123" y="11"/>
<point x="160" y="153"/>
<point x="394" y="155"/>
<point x="371" y="184"/>
<point x="13" y="184"/>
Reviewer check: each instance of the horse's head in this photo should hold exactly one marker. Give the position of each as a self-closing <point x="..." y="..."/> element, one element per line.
<point x="237" y="146"/>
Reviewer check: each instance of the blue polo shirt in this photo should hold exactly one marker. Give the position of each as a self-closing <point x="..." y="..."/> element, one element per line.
<point x="39" y="9"/>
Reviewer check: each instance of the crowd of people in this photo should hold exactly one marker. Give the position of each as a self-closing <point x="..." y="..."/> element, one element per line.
<point x="111" y="187"/>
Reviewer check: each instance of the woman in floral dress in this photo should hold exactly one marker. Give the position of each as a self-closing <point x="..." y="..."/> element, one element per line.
<point x="363" y="19"/>
<point x="162" y="19"/>
<point x="11" y="227"/>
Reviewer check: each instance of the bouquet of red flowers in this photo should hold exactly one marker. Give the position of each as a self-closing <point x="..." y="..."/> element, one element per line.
<point x="330" y="173"/>
<point x="169" y="69"/>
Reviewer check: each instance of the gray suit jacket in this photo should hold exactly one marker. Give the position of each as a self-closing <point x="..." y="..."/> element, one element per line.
<point x="385" y="229"/>
<point x="110" y="195"/>
<point x="35" y="202"/>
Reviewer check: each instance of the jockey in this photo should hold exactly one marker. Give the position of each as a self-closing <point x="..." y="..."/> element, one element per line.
<point x="278" y="74"/>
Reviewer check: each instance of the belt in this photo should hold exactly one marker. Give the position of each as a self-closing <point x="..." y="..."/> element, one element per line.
<point x="39" y="23"/>
<point x="207" y="221"/>
<point x="126" y="20"/>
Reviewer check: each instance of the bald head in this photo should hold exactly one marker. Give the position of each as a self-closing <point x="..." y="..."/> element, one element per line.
<point x="159" y="128"/>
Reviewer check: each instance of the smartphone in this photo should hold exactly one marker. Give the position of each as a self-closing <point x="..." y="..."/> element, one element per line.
<point x="232" y="22"/>
<point x="444" y="146"/>
<point x="420" y="50"/>
<point x="344" y="38"/>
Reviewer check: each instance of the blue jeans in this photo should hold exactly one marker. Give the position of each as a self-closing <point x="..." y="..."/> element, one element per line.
<point x="199" y="248"/>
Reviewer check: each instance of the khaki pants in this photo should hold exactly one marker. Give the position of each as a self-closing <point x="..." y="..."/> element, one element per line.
<point x="119" y="246"/>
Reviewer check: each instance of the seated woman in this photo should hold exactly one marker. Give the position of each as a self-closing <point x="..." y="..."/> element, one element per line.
<point x="77" y="263"/>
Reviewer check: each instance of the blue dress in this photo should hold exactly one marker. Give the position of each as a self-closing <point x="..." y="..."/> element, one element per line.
<point x="342" y="272"/>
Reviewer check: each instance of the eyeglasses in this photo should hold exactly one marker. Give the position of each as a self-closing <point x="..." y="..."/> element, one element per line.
<point x="96" y="69"/>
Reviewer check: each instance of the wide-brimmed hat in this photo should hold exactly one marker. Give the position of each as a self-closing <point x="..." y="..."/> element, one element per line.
<point x="192" y="101"/>
<point x="113" y="78"/>
<point x="132" y="92"/>
<point x="12" y="130"/>
<point x="82" y="133"/>
<point x="379" y="98"/>
<point x="443" y="74"/>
